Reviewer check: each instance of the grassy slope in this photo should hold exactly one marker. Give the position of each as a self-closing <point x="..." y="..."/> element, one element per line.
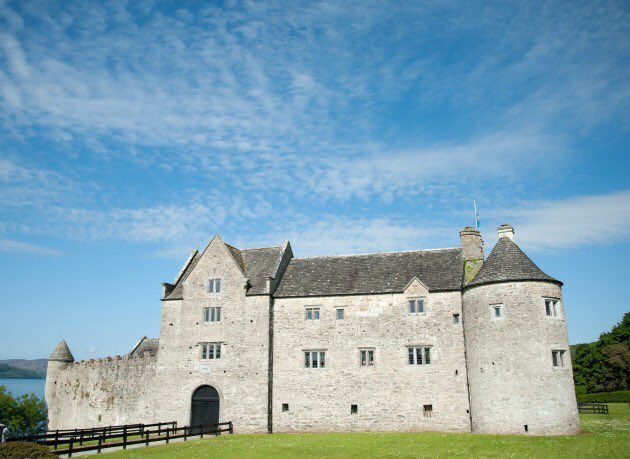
<point x="605" y="436"/>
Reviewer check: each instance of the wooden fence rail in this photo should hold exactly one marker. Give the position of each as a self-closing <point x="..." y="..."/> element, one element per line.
<point x="57" y="437"/>
<point x="149" y="436"/>
<point x="594" y="408"/>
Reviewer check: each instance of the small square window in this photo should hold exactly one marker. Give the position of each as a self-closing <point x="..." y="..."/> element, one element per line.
<point x="354" y="409"/>
<point x="497" y="311"/>
<point x="285" y="407"/>
<point x="552" y="307"/>
<point x="312" y="313"/>
<point x="428" y="410"/>
<point x="341" y="313"/>
<point x="557" y="358"/>
<point x="455" y="319"/>
<point x="366" y="357"/>
<point x="416" y="306"/>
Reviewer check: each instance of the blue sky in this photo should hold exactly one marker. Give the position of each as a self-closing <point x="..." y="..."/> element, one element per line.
<point x="131" y="132"/>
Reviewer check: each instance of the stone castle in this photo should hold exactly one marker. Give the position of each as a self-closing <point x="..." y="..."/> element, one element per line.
<point x="422" y="340"/>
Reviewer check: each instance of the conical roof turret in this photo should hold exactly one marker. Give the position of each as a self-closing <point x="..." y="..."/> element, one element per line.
<point x="62" y="353"/>
<point x="508" y="263"/>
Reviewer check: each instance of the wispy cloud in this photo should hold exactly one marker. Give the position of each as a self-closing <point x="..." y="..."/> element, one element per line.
<point x="574" y="222"/>
<point x="8" y="245"/>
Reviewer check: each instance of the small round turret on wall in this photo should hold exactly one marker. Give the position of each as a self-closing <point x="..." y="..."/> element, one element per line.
<point x="517" y="351"/>
<point x="60" y="358"/>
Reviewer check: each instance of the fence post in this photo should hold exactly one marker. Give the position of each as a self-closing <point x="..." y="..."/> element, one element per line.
<point x="185" y="428"/>
<point x="146" y="434"/>
<point x="100" y="443"/>
<point x="81" y="439"/>
<point x="201" y="429"/>
<point x="159" y="429"/>
<point x="167" y="431"/>
<point x="70" y="446"/>
<point x="56" y="439"/>
<point x="217" y="430"/>
<point x="231" y="428"/>
<point x="125" y="439"/>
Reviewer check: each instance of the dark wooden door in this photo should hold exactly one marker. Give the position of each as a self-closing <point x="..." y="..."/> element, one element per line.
<point x="205" y="408"/>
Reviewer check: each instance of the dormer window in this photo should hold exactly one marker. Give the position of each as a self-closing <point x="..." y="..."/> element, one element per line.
<point x="213" y="285"/>
<point x="416" y="306"/>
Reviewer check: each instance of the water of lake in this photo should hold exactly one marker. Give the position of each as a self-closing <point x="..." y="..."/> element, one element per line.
<point x="19" y="387"/>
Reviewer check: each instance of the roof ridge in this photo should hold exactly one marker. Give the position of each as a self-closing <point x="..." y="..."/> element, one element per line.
<point x="263" y="248"/>
<point x="377" y="253"/>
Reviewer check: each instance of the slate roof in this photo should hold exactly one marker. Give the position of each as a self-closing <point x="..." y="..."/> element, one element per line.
<point x="508" y="263"/>
<point x="62" y="353"/>
<point x="146" y="346"/>
<point x="257" y="264"/>
<point x="388" y="272"/>
<point x="178" y="292"/>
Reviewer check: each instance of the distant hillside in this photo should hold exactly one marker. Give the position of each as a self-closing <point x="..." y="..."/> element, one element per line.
<point x="9" y="372"/>
<point x="37" y="365"/>
<point x="604" y="366"/>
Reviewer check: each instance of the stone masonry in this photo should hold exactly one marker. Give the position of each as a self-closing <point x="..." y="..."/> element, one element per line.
<point x="485" y="374"/>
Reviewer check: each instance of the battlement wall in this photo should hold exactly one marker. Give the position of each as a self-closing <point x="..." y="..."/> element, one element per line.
<point x="109" y="391"/>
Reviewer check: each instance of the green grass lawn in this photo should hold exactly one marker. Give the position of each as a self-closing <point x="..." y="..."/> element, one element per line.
<point x="604" y="436"/>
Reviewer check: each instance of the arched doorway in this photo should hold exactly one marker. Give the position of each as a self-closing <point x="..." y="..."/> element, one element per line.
<point x="205" y="407"/>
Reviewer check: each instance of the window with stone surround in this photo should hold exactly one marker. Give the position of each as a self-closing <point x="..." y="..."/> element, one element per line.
<point x="427" y="410"/>
<point x="496" y="311"/>
<point x="210" y="351"/>
<point x="417" y="306"/>
<point x="312" y="313"/>
<point x="340" y="313"/>
<point x="557" y="358"/>
<point x="314" y="359"/>
<point x="456" y="319"/>
<point x="552" y="307"/>
<point x="366" y="357"/>
<point x="419" y="355"/>
<point x="212" y="314"/>
<point x="213" y="285"/>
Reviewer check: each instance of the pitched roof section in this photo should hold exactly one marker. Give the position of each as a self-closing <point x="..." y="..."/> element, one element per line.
<point x="62" y="353"/>
<point x="260" y="264"/>
<point x="257" y="264"/>
<point x="508" y="263"/>
<point x="146" y="346"/>
<point x="389" y="272"/>
<point x="178" y="291"/>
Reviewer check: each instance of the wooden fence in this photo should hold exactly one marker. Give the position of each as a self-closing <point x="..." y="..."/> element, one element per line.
<point x="97" y="439"/>
<point x="593" y="408"/>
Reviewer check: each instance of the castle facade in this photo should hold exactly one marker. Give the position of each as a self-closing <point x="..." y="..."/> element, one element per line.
<point x="427" y="340"/>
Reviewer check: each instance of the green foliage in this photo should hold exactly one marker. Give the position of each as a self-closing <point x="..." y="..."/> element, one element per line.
<point x="9" y="372"/>
<point x="604" y="366"/>
<point x="23" y="450"/>
<point x="25" y="415"/>
<point x="471" y="268"/>
<point x="620" y="396"/>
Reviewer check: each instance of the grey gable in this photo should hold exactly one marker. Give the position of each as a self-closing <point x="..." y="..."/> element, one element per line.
<point x="257" y="264"/>
<point x="146" y="345"/>
<point x="389" y="272"/>
<point x="508" y="263"/>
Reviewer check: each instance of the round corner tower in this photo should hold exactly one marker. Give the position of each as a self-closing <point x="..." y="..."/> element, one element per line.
<point x="517" y="351"/>
<point x="58" y="361"/>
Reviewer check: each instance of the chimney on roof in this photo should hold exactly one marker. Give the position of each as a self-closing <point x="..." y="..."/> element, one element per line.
<point x="472" y="244"/>
<point x="506" y="231"/>
<point x="472" y="250"/>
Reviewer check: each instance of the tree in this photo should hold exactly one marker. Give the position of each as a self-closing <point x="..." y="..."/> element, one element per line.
<point x="604" y="366"/>
<point x="25" y="415"/>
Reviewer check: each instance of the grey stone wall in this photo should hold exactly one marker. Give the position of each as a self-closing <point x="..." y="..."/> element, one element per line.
<point x="109" y="391"/>
<point x="512" y="380"/>
<point x="391" y="394"/>
<point x="240" y="376"/>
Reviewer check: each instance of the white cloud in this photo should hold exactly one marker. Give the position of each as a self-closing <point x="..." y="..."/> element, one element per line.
<point x="573" y="222"/>
<point x="8" y="245"/>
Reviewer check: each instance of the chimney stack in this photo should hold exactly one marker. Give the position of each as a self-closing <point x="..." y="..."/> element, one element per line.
<point x="506" y="231"/>
<point x="472" y="250"/>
